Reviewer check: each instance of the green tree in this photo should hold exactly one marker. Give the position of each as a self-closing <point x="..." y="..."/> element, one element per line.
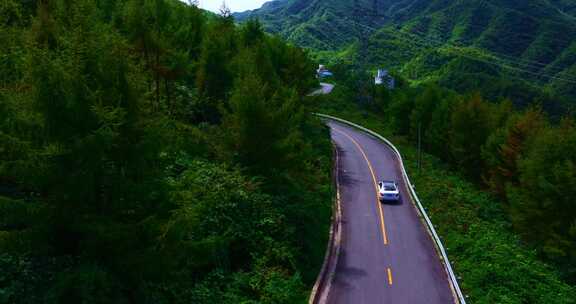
<point x="92" y="163"/>
<point x="114" y="156"/>
<point x="297" y="69"/>
<point x="421" y="116"/>
<point x="251" y="33"/>
<point x="507" y="145"/>
<point x="214" y="78"/>
<point x="252" y="136"/>
<point x="471" y="126"/>
<point x="398" y="112"/>
<point x="541" y="207"/>
<point x="438" y="132"/>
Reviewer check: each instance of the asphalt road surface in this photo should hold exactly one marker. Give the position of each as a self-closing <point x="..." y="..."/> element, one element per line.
<point x="386" y="253"/>
<point x="325" y="88"/>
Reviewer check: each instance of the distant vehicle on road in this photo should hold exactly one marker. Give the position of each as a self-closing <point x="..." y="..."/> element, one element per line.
<point x="323" y="72"/>
<point x="388" y="191"/>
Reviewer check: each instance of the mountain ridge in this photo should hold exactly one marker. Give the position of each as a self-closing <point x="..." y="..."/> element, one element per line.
<point x="532" y="42"/>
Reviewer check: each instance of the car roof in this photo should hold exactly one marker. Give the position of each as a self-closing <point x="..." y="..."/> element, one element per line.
<point x="388" y="182"/>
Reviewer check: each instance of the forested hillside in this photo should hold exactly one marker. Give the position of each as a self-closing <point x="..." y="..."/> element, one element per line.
<point x="567" y="7"/>
<point x="152" y="153"/>
<point x="523" y="162"/>
<point x="520" y="49"/>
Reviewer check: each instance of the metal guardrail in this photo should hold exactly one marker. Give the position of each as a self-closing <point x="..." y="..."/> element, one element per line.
<point x="458" y="296"/>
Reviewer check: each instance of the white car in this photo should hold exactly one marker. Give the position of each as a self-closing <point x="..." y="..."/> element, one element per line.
<point x="388" y="191"/>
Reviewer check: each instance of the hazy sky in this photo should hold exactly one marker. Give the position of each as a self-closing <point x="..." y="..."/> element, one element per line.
<point x="234" y="5"/>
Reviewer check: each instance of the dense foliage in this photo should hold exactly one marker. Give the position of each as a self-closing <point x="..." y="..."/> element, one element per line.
<point x="519" y="49"/>
<point x="501" y="236"/>
<point x="490" y="259"/>
<point x="153" y="153"/>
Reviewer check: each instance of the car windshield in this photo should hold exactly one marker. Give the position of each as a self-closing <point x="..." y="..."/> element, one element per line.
<point x="389" y="187"/>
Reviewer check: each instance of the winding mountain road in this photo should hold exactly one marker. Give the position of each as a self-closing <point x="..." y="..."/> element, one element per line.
<point x="325" y="88"/>
<point x="386" y="254"/>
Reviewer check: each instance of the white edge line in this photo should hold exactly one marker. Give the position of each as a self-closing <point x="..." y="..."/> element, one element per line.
<point x="457" y="292"/>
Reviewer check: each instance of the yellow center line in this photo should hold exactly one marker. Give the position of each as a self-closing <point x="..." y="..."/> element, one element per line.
<point x="389" y="276"/>
<point x="382" y="226"/>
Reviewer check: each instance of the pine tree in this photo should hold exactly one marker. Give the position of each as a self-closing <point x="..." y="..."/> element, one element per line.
<point x="507" y="145"/>
<point x="542" y="207"/>
<point x="471" y="126"/>
<point x="421" y="116"/>
<point x="438" y="133"/>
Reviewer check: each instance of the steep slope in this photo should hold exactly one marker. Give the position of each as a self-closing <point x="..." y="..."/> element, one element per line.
<point x="566" y="7"/>
<point x="317" y="24"/>
<point x="498" y="43"/>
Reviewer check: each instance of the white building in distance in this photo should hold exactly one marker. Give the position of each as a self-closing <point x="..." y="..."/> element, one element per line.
<point x="384" y="78"/>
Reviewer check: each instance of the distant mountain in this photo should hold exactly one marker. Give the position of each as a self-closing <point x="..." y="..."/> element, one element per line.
<point x="467" y="44"/>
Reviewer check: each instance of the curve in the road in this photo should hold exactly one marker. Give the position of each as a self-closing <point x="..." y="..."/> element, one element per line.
<point x="386" y="254"/>
<point x="325" y="89"/>
<point x="381" y="213"/>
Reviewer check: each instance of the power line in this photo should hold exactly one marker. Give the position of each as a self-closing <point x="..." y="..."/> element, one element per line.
<point x="531" y="37"/>
<point x="508" y="63"/>
<point x="523" y="62"/>
<point x="485" y="56"/>
<point x="538" y="19"/>
<point x="525" y="35"/>
<point x="500" y="64"/>
<point x="505" y="64"/>
<point x="501" y="55"/>
<point x="504" y="55"/>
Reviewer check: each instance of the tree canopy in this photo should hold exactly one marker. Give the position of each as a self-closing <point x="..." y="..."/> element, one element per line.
<point x="152" y="152"/>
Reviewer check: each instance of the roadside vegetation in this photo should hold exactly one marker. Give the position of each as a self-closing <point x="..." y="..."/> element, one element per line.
<point x="497" y="182"/>
<point x="522" y="49"/>
<point x="153" y="153"/>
